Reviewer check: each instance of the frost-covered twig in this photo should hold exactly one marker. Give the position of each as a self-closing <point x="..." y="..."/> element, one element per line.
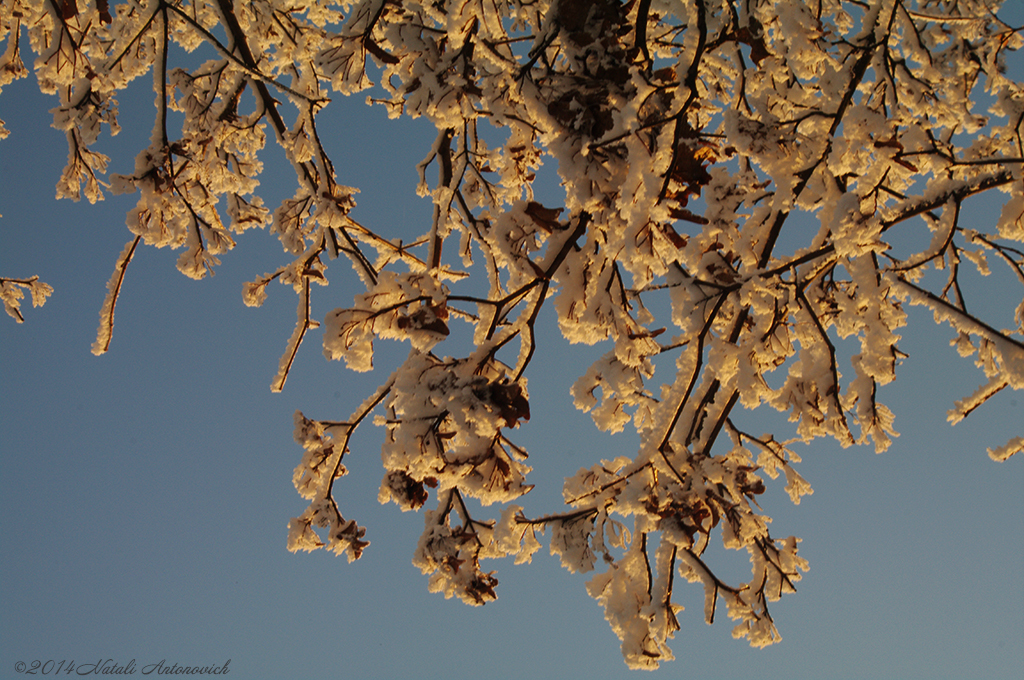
<point x="12" y="292"/>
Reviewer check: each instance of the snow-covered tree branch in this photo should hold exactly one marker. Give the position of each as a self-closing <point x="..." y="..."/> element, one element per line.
<point x="752" y="192"/>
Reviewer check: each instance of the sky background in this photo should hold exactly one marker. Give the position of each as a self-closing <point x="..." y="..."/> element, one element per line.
<point x="145" y="494"/>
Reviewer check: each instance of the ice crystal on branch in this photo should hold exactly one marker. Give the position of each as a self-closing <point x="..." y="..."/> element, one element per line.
<point x="740" y="184"/>
<point x="12" y="291"/>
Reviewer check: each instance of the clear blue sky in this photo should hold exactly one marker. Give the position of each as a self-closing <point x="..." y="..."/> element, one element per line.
<point x="145" y="493"/>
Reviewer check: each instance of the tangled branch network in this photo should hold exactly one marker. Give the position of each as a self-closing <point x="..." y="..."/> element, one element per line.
<point x="746" y="184"/>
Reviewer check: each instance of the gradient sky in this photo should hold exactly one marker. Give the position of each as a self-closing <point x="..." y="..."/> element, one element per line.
<point x="145" y="493"/>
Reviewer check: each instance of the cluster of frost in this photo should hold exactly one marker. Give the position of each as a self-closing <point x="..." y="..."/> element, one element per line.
<point x="445" y="424"/>
<point x="12" y="291"/>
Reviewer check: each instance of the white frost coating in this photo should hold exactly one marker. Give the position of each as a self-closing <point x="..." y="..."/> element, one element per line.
<point x="622" y="388"/>
<point x="13" y="290"/>
<point x="106" y="327"/>
<point x="1011" y="219"/>
<point x="623" y="592"/>
<point x="571" y="542"/>
<point x="513" y="537"/>
<point x="736" y="187"/>
<point x="998" y="354"/>
<point x="410" y="306"/>
<point x="446" y="427"/>
<point x="1002" y="453"/>
<point x="302" y="325"/>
